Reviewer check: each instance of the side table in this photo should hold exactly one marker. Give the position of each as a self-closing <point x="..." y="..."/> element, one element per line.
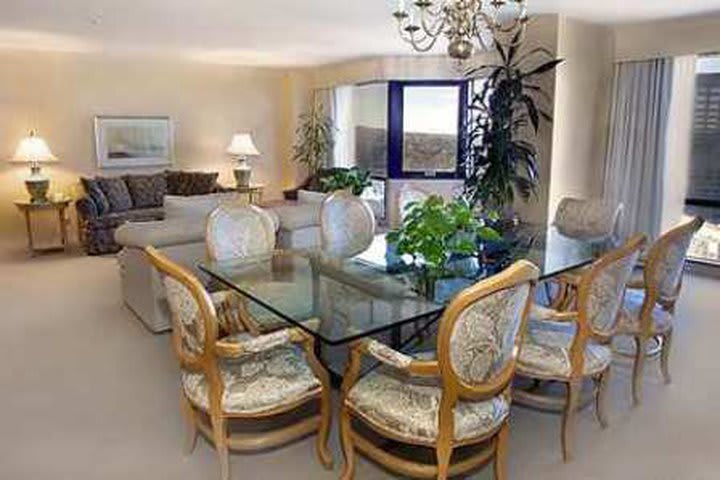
<point x="254" y="192"/>
<point x="28" y="208"/>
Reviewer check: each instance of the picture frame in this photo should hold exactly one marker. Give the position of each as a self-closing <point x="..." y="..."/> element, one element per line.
<point x="133" y="141"/>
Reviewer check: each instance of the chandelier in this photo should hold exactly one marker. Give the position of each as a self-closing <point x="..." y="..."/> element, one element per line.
<point x="464" y="23"/>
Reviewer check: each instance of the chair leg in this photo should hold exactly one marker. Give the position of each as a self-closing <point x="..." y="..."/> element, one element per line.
<point x="191" y="430"/>
<point x="323" y="452"/>
<point x="500" y="462"/>
<point x="601" y="398"/>
<point x="346" y="440"/>
<point x="443" y="453"/>
<point x="638" y="368"/>
<point x="219" y="426"/>
<point x="568" y="421"/>
<point x="665" y="357"/>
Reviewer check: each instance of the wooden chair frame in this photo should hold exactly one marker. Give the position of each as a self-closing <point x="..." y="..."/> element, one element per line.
<point x="216" y="430"/>
<point x="453" y="389"/>
<point x="584" y="333"/>
<point x="653" y="298"/>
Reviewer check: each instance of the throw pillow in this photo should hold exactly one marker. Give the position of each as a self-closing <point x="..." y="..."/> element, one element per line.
<point x="190" y="183"/>
<point x="117" y="193"/>
<point x="147" y="191"/>
<point x="93" y="190"/>
<point x="203" y="183"/>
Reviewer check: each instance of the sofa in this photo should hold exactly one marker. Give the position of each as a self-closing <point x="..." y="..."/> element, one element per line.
<point x="181" y="236"/>
<point x="112" y="201"/>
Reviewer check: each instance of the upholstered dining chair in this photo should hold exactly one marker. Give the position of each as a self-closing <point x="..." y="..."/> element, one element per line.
<point x="236" y="231"/>
<point x="573" y="346"/>
<point x="347" y="225"/>
<point x="459" y="399"/>
<point x="240" y="377"/>
<point x="650" y="302"/>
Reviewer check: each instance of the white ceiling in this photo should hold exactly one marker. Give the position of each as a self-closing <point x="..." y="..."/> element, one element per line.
<point x="259" y="32"/>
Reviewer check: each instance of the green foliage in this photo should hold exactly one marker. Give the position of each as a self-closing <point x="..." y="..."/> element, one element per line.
<point x="346" y="178"/>
<point x="501" y="163"/>
<point x="315" y="139"/>
<point x="434" y="231"/>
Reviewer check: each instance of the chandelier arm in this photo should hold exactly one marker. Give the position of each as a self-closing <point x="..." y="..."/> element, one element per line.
<point x="436" y="28"/>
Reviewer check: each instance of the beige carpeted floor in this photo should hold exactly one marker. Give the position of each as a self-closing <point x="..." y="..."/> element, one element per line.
<point x="87" y="393"/>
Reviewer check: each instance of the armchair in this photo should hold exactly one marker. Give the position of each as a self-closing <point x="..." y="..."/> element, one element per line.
<point x="240" y="377"/>
<point x="460" y="398"/>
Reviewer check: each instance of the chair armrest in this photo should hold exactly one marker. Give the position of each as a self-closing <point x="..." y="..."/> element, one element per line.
<point x="545" y="314"/>
<point x="262" y="343"/>
<point x="398" y="360"/>
<point x="86" y="208"/>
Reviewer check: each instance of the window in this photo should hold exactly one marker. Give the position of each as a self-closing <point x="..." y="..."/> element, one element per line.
<point x="703" y="195"/>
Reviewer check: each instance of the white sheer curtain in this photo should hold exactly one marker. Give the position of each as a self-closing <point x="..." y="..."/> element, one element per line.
<point x="344" y="152"/>
<point x="634" y="173"/>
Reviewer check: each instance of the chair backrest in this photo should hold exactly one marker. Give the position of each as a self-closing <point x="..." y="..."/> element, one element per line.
<point x="193" y="314"/>
<point x="588" y="219"/>
<point x="666" y="261"/>
<point x="236" y="230"/>
<point x="347" y="225"/>
<point x="481" y="331"/>
<point x="408" y="195"/>
<point x="602" y="289"/>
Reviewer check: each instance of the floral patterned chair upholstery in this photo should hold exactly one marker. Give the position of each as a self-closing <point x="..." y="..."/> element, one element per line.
<point x="240" y="377"/>
<point x="650" y="303"/>
<point x="570" y="347"/>
<point x="462" y="398"/>
<point x="347" y="225"/>
<point x="236" y="231"/>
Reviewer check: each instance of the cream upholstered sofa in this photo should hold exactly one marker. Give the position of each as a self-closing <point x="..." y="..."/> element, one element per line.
<point x="181" y="236"/>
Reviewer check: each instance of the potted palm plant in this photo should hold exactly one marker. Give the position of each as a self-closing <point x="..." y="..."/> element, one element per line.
<point x="315" y="141"/>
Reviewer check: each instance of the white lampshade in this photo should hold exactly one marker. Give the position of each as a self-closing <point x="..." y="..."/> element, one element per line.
<point x="242" y="145"/>
<point x="33" y="149"/>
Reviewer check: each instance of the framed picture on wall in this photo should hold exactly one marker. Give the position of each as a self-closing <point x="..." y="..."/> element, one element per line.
<point x="133" y="141"/>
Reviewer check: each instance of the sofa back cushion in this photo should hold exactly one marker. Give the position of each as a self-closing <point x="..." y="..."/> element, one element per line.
<point x="93" y="190"/>
<point x="198" y="206"/>
<point x="147" y="191"/>
<point x="117" y="193"/>
<point x="190" y="183"/>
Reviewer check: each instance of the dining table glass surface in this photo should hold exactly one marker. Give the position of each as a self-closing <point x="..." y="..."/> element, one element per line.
<point x="341" y="300"/>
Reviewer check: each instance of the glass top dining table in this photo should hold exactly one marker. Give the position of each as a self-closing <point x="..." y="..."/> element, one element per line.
<point x="339" y="301"/>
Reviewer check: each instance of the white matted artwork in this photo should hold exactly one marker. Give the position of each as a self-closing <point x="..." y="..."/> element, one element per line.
<point x="126" y="142"/>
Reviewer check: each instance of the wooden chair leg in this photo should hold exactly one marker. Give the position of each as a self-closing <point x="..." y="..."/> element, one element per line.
<point x="601" y="398"/>
<point x="323" y="452"/>
<point x="638" y="368"/>
<point x="191" y="430"/>
<point x="219" y="426"/>
<point x="665" y="357"/>
<point x="443" y="453"/>
<point x="346" y="440"/>
<point x="568" y="421"/>
<point x="500" y="462"/>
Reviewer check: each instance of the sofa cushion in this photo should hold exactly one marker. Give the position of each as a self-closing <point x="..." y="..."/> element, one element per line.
<point x="117" y="193"/>
<point x="93" y="190"/>
<point x="147" y="191"/>
<point x="298" y="215"/>
<point x="190" y="183"/>
<point x="161" y="234"/>
<point x="198" y="206"/>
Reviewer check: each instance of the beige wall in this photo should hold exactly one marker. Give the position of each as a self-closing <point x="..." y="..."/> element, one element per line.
<point x="59" y="94"/>
<point x="582" y="100"/>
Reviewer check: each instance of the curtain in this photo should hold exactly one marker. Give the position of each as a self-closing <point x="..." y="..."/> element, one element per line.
<point x="634" y="171"/>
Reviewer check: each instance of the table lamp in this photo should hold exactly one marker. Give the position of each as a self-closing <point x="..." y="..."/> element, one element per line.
<point x="35" y="151"/>
<point x="240" y="148"/>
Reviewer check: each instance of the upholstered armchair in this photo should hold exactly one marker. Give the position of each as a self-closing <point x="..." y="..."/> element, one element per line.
<point x="650" y="302"/>
<point x="460" y="398"/>
<point x="574" y="346"/>
<point x="236" y="231"/>
<point x="240" y="377"/>
<point x="347" y="225"/>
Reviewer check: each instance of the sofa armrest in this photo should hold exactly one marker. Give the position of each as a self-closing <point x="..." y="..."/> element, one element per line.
<point x="86" y="209"/>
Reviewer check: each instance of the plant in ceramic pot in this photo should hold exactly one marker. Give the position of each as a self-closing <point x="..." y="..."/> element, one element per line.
<point x="441" y="240"/>
<point x="502" y="161"/>
<point x="354" y="179"/>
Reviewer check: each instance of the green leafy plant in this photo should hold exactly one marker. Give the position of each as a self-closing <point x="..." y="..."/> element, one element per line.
<point x="346" y="178"/>
<point x="501" y="162"/>
<point x="435" y="231"/>
<point x="315" y="139"/>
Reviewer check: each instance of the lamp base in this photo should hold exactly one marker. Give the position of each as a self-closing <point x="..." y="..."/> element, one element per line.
<point x="38" y="189"/>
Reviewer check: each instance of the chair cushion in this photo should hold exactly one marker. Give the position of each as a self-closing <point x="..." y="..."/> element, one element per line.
<point x="258" y="382"/>
<point x="147" y="191"/>
<point x="630" y="320"/>
<point x="546" y="351"/>
<point x="117" y="193"/>
<point x="409" y="407"/>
